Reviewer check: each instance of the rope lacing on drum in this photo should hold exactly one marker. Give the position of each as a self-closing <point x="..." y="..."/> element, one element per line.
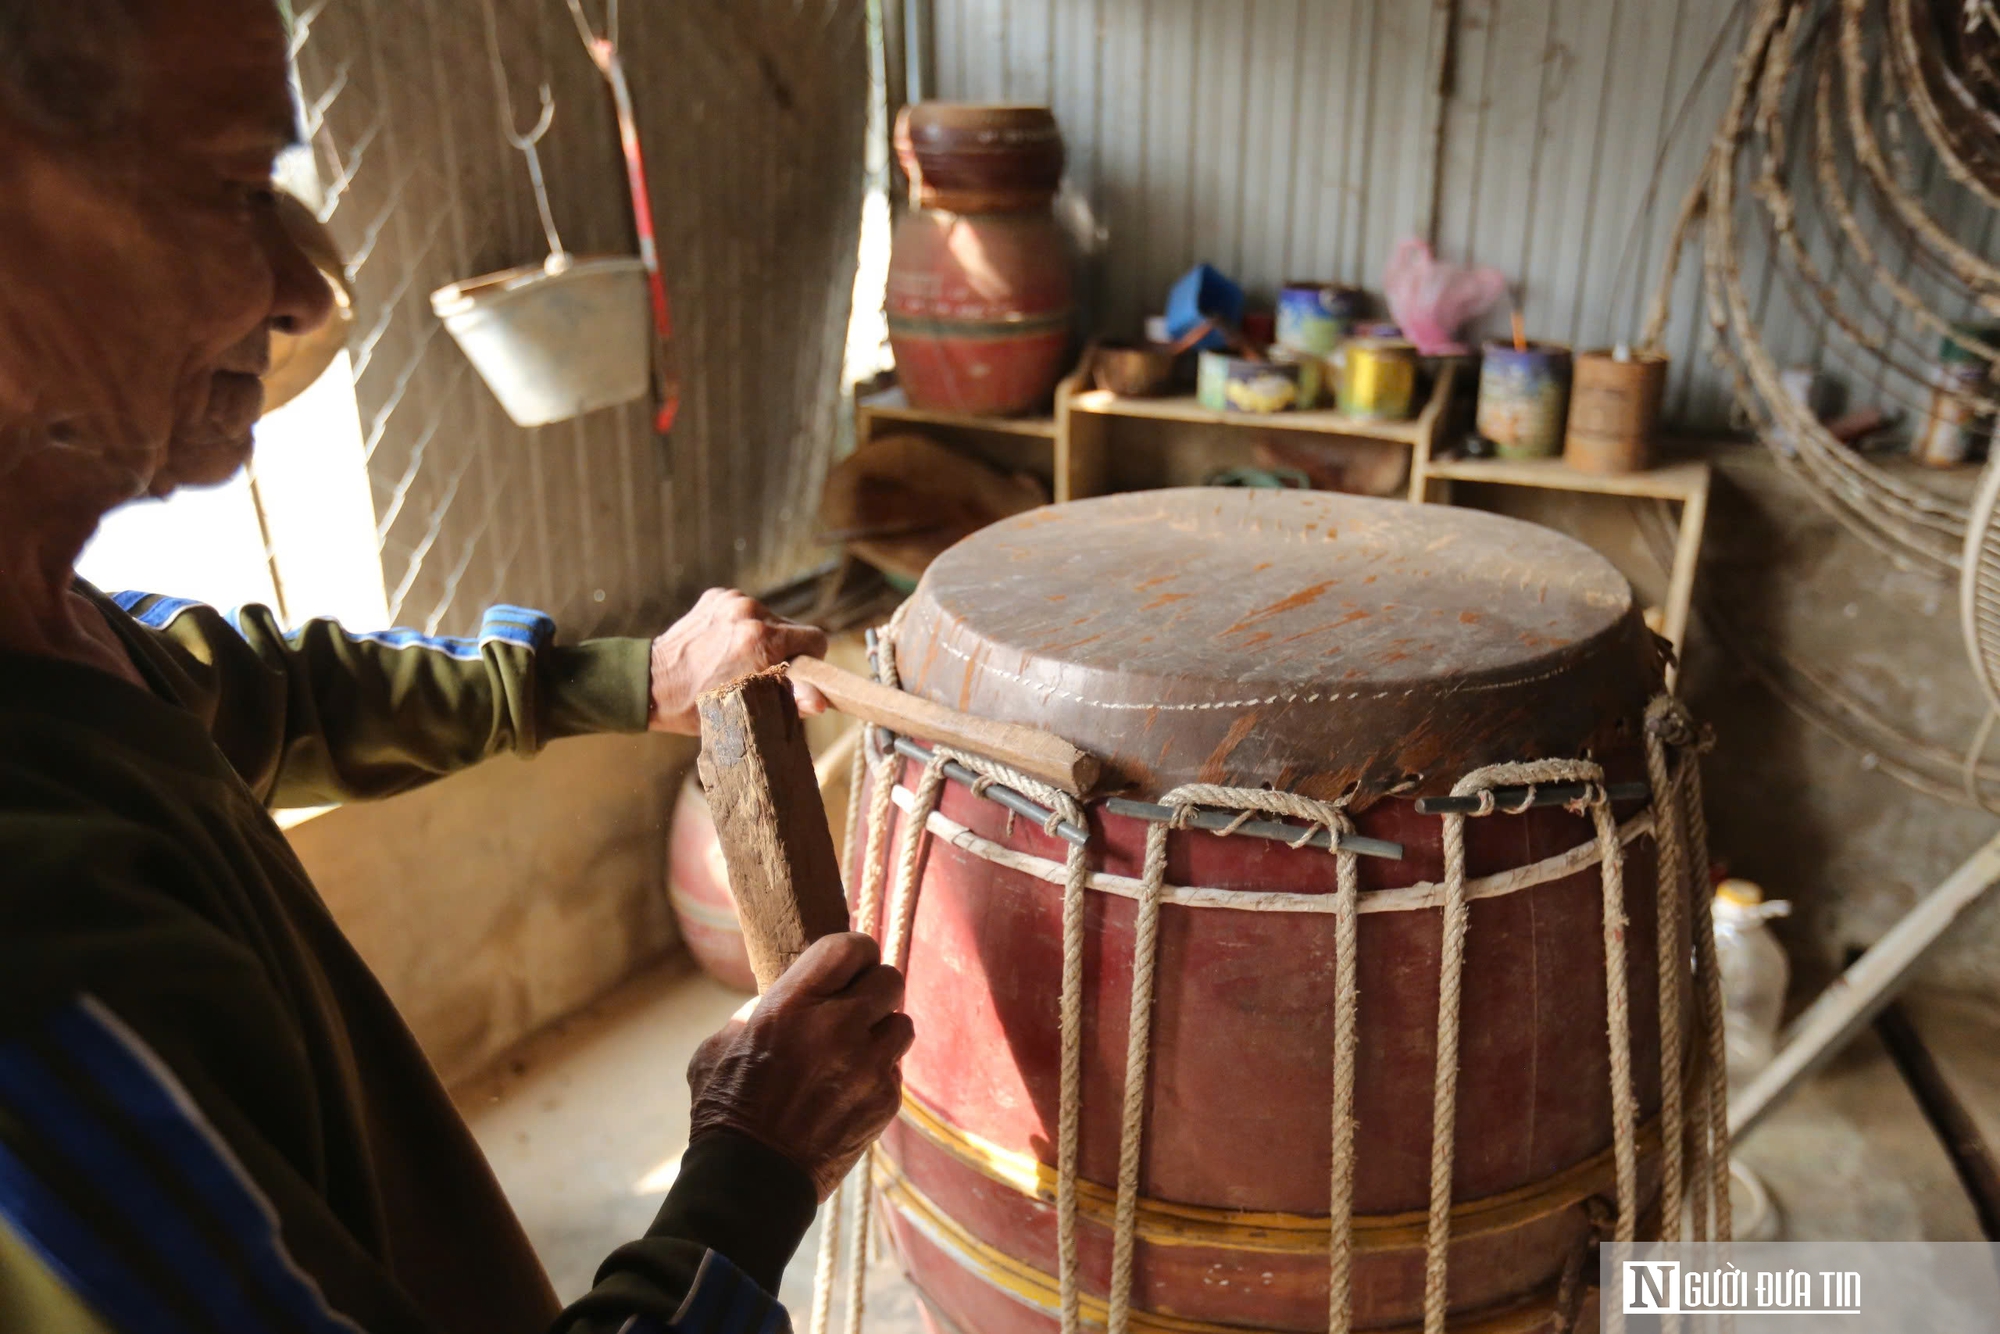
<point x="1250" y="802"/>
<point x="1444" y="1102"/>
<point x="1681" y="839"/>
<point x="1331" y="816"/>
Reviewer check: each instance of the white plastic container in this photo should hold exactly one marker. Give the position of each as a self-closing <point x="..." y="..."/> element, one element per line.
<point x="557" y="340"/>
<point x="1755" y="974"/>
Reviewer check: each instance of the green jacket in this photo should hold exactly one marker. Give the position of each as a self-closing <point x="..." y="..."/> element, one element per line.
<point x="211" y="1117"/>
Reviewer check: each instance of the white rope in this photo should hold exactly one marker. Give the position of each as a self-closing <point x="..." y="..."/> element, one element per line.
<point x="1138" y="1038"/>
<point x="1708" y="977"/>
<point x="1672" y="890"/>
<point x="859" y="1189"/>
<point x="1184" y="800"/>
<point x="1069" y="1109"/>
<point x="1407" y="898"/>
<point x="1699" y="1178"/>
<point x="1624" y="1103"/>
<point x="1346" y="1047"/>
<point x="909" y="860"/>
<point x="887" y="778"/>
<point x="887" y="774"/>
<point x="829" y="1257"/>
<point x="1069" y="1116"/>
<point x="1444" y="1100"/>
<point x="851" y="846"/>
<point x="828" y="1265"/>
<point x="1444" y="1076"/>
<point x="1076" y="878"/>
<point x="895" y="951"/>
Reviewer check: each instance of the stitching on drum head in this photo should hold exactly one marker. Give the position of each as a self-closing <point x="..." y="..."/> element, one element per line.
<point x="1329" y="696"/>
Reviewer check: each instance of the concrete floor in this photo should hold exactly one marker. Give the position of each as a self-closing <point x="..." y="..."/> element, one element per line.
<point x="585" y="1124"/>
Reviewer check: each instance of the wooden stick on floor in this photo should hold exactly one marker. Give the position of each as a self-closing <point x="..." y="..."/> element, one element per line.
<point x="770" y="821"/>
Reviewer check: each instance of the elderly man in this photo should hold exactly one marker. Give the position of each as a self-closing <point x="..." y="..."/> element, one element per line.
<point x="210" y="1116"/>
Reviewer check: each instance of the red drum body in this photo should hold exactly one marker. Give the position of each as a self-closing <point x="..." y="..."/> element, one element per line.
<point x="1341" y="649"/>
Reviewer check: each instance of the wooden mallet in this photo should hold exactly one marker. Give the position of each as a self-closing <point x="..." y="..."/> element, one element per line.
<point x="765" y="799"/>
<point x="769" y="821"/>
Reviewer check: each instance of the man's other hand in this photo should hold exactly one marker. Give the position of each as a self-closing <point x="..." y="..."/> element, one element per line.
<point x="728" y="635"/>
<point x="812" y="1071"/>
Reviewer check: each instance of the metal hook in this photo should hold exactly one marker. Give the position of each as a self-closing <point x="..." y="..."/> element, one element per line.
<point x="527" y="142"/>
<point x="558" y="259"/>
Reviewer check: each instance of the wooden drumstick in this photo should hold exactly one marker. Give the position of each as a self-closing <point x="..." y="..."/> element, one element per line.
<point x="769" y="821"/>
<point x="1034" y="752"/>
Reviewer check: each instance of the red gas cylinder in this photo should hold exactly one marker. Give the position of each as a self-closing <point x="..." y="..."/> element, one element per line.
<point x="1271" y="645"/>
<point x="979" y="285"/>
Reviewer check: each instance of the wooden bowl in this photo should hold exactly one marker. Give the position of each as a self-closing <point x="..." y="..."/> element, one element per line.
<point x="1133" y="370"/>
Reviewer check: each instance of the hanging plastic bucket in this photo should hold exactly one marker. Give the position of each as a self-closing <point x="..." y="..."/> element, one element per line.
<point x="555" y="343"/>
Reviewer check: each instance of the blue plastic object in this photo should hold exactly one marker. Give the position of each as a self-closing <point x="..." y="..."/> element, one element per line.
<point x="1203" y="293"/>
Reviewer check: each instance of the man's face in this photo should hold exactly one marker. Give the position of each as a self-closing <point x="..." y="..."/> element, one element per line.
<point x="142" y="271"/>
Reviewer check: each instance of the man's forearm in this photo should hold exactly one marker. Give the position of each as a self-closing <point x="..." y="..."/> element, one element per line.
<point x="715" y="1255"/>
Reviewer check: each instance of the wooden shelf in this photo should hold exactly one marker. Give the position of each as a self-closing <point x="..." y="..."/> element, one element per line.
<point x="1676" y="481"/>
<point x="1079" y="436"/>
<point x="1686" y="483"/>
<point x="1042" y="427"/>
<point x="1185" y="409"/>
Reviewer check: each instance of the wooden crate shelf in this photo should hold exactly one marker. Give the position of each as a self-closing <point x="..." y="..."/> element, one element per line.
<point x="1078" y="437"/>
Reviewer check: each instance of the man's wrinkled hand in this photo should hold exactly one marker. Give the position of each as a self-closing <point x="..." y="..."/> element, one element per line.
<point x="727" y="636"/>
<point x="814" y="1070"/>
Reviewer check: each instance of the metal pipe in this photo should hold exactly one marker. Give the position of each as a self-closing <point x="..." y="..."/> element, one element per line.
<point x="1507" y="800"/>
<point x="1859" y="994"/>
<point x="916" y="50"/>
<point x="1268" y="829"/>
<point x="1953" y="1123"/>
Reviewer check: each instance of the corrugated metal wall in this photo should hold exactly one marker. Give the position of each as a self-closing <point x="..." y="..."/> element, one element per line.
<point x="1302" y="138"/>
<point x="753" y="115"/>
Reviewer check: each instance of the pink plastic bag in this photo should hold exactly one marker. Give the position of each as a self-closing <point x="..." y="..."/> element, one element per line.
<point x="1431" y="301"/>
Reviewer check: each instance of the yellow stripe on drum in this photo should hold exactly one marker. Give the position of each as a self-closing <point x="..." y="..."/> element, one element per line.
<point x="1167" y="1223"/>
<point x="704" y="914"/>
<point x="1037" y="1288"/>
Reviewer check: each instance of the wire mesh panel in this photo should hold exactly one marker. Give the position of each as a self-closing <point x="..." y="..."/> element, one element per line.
<point x="753" y="119"/>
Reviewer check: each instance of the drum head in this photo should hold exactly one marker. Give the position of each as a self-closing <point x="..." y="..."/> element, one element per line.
<point x="1315" y="642"/>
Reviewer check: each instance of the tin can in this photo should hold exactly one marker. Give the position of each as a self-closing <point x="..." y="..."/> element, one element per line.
<point x="1377" y="378"/>
<point x="1238" y="384"/>
<point x="1312" y="373"/>
<point x="1314" y="317"/>
<point x="1524" y="399"/>
<point x="1956" y="429"/>
<point x="1614" y="411"/>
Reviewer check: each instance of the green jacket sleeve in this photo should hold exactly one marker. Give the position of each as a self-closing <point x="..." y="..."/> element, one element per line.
<point x="322" y="715"/>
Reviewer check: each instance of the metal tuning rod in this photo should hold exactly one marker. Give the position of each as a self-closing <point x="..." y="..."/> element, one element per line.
<point x="1508" y="800"/>
<point x="1268" y="829"/>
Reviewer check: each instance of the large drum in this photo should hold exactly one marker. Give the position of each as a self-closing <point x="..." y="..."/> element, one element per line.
<point x="1407" y="1084"/>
